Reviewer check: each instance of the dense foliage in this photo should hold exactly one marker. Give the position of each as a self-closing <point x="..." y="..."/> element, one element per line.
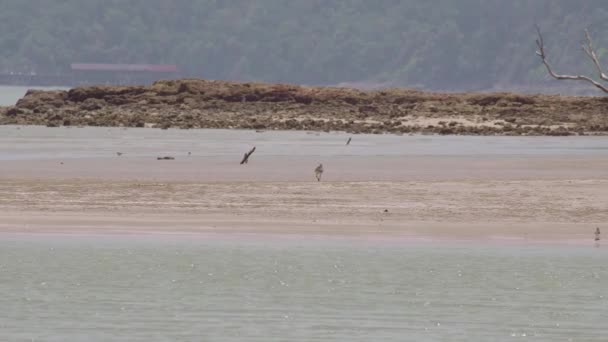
<point x="439" y="44"/>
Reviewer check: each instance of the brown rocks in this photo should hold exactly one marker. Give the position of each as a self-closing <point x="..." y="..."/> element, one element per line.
<point x="218" y="104"/>
<point x="91" y="104"/>
<point x="38" y="98"/>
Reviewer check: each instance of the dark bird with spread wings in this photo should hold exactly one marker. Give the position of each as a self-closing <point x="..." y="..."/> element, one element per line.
<point x="246" y="156"/>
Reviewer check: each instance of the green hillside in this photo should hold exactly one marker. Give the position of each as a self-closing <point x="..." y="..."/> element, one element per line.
<point x="439" y="44"/>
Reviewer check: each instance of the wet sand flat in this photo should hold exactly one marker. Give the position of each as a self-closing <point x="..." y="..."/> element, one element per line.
<point x="262" y="168"/>
<point x="534" y="209"/>
<point x="387" y="186"/>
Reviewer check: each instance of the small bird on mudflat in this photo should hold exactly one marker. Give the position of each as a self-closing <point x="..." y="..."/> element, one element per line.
<point x="119" y="154"/>
<point x="319" y="172"/>
<point x="597" y="234"/>
<point x="348" y="142"/>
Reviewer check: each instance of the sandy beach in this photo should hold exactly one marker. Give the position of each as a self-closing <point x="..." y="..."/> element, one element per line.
<point x="517" y="195"/>
<point x="537" y="209"/>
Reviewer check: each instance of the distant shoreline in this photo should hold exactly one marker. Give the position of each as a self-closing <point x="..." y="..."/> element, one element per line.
<point x="70" y="80"/>
<point x="259" y="106"/>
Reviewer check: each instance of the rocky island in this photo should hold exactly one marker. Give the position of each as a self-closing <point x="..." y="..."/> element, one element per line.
<point x="194" y="103"/>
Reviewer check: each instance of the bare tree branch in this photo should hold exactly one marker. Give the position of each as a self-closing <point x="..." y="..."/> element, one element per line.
<point x="541" y="53"/>
<point x="590" y="51"/>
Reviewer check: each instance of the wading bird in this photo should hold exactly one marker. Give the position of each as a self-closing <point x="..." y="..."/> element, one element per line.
<point x="319" y="172"/>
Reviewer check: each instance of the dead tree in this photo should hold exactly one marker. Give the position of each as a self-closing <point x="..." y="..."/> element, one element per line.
<point x="246" y="156"/>
<point x="589" y="51"/>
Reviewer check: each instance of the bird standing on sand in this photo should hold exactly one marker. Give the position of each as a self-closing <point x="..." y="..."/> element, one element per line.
<point x="319" y="172"/>
<point x="119" y="154"/>
<point x="597" y="234"/>
<point x="348" y="141"/>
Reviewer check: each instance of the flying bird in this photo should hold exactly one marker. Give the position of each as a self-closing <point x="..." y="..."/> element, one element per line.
<point x="246" y="156"/>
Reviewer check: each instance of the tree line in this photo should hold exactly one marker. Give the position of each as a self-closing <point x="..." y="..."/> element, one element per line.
<point x="441" y="44"/>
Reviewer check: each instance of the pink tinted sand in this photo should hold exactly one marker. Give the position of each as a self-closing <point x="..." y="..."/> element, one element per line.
<point x="512" y="200"/>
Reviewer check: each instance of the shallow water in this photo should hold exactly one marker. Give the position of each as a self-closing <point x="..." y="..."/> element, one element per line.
<point x="9" y="95"/>
<point x="228" y="289"/>
<point x="61" y="288"/>
<point x="34" y="142"/>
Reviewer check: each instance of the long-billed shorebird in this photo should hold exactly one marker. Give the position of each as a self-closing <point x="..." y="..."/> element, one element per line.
<point x="319" y="172"/>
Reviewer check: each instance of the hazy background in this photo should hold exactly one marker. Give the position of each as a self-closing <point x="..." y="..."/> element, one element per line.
<point x="439" y="45"/>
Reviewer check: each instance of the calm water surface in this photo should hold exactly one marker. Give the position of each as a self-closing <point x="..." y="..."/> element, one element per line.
<point x="34" y="142"/>
<point x="228" y="289"/>
<point x="9" y="95"/>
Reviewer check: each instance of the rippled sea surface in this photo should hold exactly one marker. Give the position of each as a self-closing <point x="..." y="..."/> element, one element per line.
<point x="298" y="289"/>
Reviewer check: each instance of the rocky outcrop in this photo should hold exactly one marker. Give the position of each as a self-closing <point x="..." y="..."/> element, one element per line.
<point x="220" y="104"/>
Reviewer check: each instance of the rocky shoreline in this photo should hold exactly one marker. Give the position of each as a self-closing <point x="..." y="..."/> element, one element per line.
<point x="220" y="104"/>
